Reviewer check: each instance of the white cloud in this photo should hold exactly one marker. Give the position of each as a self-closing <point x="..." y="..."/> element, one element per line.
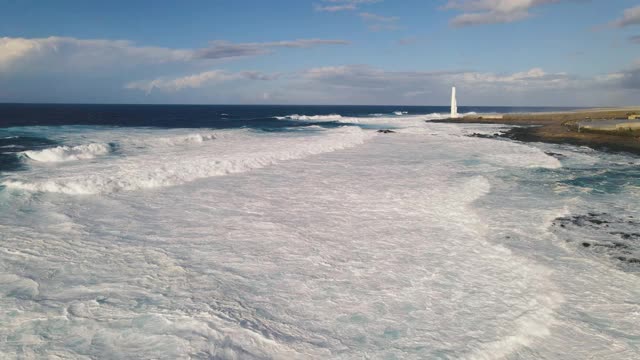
<point x="495" y="5"/>
<point x="58" y="53"/>
<point x="629" y="78"/>
<point x="79" y="54"/>
<point x="379" y="22"/>
<point x="630" y="17"/>
<point x="364" y="84"/>
<point x="348" y="84"/>
<point x="195" y="80"/>
<point x="334" y="8"/>
<point x="375" y="22"/>
<point x="304" y="43"/>
<point x="488" y="18"/>
<point x="224" y="49"/>
<point x="378" y="18"/>
<point x="535" y="77"/>
<point x="368" y="77"/>
<point x="106" y="60"/>
<point x="368" y="85"/>
<point x="341" y="5"/>
<point x="476" y="12"/>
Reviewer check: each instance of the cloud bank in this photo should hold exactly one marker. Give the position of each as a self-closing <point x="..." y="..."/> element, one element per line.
<point x="379" y="22"/>
<point x="630" y="17"/>
<point x="341" y="5"/>
<point x="369" y="85"/>
<point x="63" y="69"/>
<point x="80" y="54"/>
<point x="366" y="77"/>
<point x="478" y="12"/>
<point x="92" y="54"/>
<point x="365" y="84"/>
<point x="225" y="49"/>
<point x="196" y="80"/>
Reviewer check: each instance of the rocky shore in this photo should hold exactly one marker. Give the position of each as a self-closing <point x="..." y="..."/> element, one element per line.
<point x="565" y="127"/>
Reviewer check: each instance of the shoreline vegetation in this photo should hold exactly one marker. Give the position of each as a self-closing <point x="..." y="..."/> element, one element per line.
<point x="601" y="129"/>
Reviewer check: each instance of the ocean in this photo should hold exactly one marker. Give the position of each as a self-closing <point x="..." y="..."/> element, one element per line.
<point x="301" y="232"/>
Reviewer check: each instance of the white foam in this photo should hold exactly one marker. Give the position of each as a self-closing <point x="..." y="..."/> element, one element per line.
<point x="420" y="244"/>
<point x="312" y="118"/>
<point x="497" y="152"/>
<point x="68" y="153"/>
<point x="400" y="118"/>
<point x="516" y="155"/>
<point x="370" y="250"/>
<point x="17" y="287"/>
<point x="195" y="138"/>
<point x="175" y="167"/>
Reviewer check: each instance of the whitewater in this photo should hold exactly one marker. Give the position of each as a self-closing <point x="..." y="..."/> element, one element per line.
<point x="436" y="241"/>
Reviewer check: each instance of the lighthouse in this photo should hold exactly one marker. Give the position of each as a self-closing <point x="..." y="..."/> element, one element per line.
<point x="454" y="103"/>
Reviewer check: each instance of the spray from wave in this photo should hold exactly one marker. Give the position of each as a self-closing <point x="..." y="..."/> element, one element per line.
<point x="171" y="167"/>
<point x="68" y="153"/>
<point x="318" y="118"/>
<point x="181" y="140"/>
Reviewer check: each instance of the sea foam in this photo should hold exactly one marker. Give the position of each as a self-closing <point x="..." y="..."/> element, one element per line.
<point x="195" y="138"/>
<point x="68" y="153"/>
<point x="314" y="118"/>
<point x="174" y="167"/>
<point x="424" y="243"/>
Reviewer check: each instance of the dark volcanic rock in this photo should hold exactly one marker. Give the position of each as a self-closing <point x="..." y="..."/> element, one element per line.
<point x="629" y="260"/>
<point x="626" y="236"/>
<point x="591" y="219"/>
<point x="555" y="155"/>
<point x="606" y="235"/>
<point x="485" y="136"/>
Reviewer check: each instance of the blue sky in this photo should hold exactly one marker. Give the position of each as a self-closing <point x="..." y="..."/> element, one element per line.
<point x="498" y="52"/>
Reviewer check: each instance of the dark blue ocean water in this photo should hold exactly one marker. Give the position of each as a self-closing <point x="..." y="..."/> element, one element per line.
<point x="209" y="116"/>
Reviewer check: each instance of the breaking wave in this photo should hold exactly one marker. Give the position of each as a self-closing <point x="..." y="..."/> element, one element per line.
<point x="171" y="168"/>
<point x="332" y="117"/>
<point x="182" y="140"/>
<point x="68" y="153"/>
<point x="373" y="118"/>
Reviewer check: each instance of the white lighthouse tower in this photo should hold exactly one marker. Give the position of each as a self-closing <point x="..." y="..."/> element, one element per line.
<point x="454" y="103"/>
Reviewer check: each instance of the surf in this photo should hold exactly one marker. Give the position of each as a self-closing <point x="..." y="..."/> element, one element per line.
<point x="68" y="153"/>
<point x="179" y="162"/>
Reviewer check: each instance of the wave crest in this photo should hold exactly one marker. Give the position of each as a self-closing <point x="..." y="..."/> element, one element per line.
<point x="68" y="153"/>
<point x="153" y="170"/>
<point x="332" y="117"/>
<point x="179" y="140"/>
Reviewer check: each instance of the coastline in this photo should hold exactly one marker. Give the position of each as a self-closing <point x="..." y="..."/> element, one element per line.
<point x="564" y="128"/>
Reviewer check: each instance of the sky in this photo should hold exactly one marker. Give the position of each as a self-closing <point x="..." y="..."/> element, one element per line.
<point x="365" y="52"/>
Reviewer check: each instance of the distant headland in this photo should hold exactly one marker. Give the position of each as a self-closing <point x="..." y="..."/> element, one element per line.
<point x="611" y="129"/>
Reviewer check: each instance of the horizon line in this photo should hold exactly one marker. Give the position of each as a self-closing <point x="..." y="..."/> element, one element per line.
<point x="327" y="105"/>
